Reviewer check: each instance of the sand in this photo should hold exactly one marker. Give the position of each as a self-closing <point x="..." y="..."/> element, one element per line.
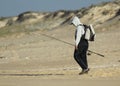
<point x="36" y="60"/>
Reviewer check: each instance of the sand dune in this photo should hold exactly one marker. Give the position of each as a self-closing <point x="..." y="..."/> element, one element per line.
<point x="28" y="58"/>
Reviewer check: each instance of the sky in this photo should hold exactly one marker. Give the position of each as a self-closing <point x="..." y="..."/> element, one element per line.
<point x="15" y="7"/>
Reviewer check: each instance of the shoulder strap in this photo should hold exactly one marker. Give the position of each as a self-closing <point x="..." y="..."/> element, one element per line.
<point x="86" y="26"/>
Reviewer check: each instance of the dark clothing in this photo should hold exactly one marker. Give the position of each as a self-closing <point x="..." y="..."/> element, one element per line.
<point x="80" y="55"/>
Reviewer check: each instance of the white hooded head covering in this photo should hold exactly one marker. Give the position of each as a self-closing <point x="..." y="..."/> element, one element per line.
<point x="76" y="21"/>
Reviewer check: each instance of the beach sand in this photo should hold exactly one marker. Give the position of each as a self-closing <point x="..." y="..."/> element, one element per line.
<point x="36" y="60"/>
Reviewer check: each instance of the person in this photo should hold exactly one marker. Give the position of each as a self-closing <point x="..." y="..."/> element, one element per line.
<point x="81" y="46"/>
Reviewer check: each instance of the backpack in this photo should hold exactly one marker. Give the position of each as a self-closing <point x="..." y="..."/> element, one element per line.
<point x="89" y="32"/>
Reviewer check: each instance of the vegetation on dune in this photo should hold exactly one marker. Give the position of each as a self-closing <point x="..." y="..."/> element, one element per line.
<point x="33" y="21"/>
<point x="15" y="29"/>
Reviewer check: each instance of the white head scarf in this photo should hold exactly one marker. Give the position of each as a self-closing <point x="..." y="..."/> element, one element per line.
<point x="76" y="21"/>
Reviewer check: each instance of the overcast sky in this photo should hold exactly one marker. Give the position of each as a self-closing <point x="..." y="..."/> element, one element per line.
<point x="15" y="7"/>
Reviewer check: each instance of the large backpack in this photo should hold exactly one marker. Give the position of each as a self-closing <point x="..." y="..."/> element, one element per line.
<point x="89" y="32"/>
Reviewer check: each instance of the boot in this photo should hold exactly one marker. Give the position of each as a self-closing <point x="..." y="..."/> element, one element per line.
<point x="84" y="71"/>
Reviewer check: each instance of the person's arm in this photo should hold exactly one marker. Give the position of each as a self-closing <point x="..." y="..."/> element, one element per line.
<point x="78" y="37"/>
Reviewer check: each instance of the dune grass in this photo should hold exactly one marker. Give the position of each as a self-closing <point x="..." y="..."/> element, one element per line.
<point x="15" y="29"/>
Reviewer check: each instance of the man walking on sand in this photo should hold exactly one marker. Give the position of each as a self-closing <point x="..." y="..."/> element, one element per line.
<point x="81" y="46"/>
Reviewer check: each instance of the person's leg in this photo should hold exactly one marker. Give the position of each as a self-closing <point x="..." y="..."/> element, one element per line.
<point x="84" y="63"/>
<point x="83" y="56"/>
<point x="78" y="59"/>
<point x="82" y="60"/>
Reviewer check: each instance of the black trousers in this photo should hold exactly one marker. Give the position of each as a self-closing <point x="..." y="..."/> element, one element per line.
<point x="80" y="55"/>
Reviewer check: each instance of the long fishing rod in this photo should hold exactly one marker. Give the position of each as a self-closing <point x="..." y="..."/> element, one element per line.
<point x="69" y="43"/>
